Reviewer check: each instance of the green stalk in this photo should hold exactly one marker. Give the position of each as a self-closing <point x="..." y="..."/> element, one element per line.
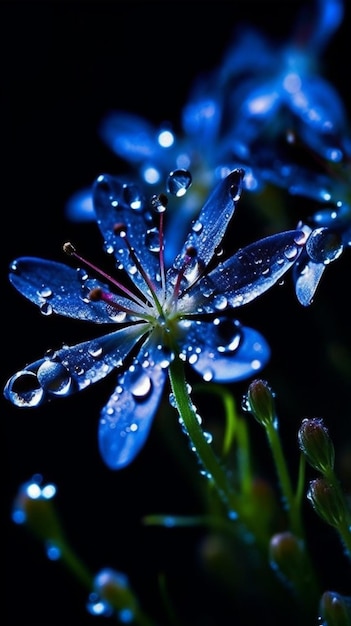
<point x="211" y="465"/>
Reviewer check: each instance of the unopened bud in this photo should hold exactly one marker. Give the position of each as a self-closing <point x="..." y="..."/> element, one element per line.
<point x="33" y="506"/>
<point x="335" y="609"/>
<point x="316" y="445"/>
<point x="286" y="554"/>
<point x="260" y="402"/>
<point x="112" y="593"/>
<point x="327" y="501"/>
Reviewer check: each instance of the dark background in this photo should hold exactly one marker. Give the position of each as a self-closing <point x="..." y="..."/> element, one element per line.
<point x="64" y="64"/>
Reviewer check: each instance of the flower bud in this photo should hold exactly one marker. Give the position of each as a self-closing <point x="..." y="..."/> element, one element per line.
<point x="316" y="445"/>
<point x="260" y="402"/>
<point x="112" y="593"/>
<point x="33" y="506"/>
<point x="327" y="501"/>
<point x="335" y="609"/>
<point x="286" y="555"/>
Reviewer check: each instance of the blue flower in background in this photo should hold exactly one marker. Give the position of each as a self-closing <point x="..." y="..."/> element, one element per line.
<point x="157" y="313"/>
<point x="236" y="116"/>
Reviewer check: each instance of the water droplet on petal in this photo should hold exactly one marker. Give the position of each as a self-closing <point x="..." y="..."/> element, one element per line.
<point x="141" y="384"/>
<point x="54" y="377"/>
<point x="23" y="389"/>
<point x="152" y="239"/>
<point x="229" y="334"/>
<point x="324" y="246"/>
<point x="207" y="375"/>
<point x="133" y="197"/>
<point x="178" y="182"/>
<point x="46" y="308"/>
<point x="220" y="302"/>
<point x="44" y="292"/>
<point x="197" y="226"/>
<point x="290" y="252"/>
<point x="95" y="350"/>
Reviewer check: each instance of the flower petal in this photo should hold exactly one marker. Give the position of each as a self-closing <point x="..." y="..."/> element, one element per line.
<point x="224" y="350"/>
<point x="129" y="136"/>
<point x="58" y="288"/>
<point x="307" y="276"/>
<point x="208" y="230"/>
<point x="251" y="271"/>
<point x="123" y="204"/>
<point x="72" y="368"/>
<point x="127" y="417"/>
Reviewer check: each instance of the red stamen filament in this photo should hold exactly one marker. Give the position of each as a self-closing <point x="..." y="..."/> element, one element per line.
<point x="98" y="294"/>
<point x="70" y="249"/>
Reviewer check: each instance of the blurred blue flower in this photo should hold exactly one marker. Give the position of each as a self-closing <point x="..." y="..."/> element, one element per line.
<point x="185" y="310"/>
<point x="236" y="116"/>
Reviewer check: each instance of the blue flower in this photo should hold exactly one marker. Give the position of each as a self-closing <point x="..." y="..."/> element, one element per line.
<point x="185" y="311"/>
<point x="235" y="116"/>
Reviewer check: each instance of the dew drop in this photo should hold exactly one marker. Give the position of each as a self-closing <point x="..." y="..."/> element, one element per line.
<point x="95" y="350"/>
<point x="220" y="302"/>
<point x="109" y="249"/>
<point x="141" y="384"/>
<point x="133" y="197"/>
<point x="44" y="292"/>
<point x="46" y="308"/>
<point x="207" y="375"/>
<point x="152" y="239"/>
<point x="54" y="377"/>
<point x="82" y="274"/>
<point x="208" y="436"/>
<point x="178" y="182"/>
<point x="290" y="252"/>
<point x="159" y="203"/>
<point x="197" y="227"/>
<point x="236" y="188"/>
<point x="324" y="246"/>
<point x="229" y="334"/>
<point x="23" y="389"/>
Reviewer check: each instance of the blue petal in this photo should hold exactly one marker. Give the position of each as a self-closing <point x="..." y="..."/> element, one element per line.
<point x="319" y="105"/>
<point x="252" y="270"/>
<point x="72" y="368"/>
<point x="307" y="276"/>
<point x="129" y="136"/>
<point x="79" y="207"/>
<point x="225" y="351"/>
<point x="127" y="417"/>
<point x="58" y="288"/>
<point x="209" y="228"/>
<point x="121" y="203"/>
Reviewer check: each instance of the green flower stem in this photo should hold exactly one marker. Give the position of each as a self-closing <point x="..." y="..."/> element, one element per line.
<point x="308" y="591"/>
<point x="344" y="527"/>
<point x="208" y="459"/>
<point x="291" y="504"/>
<point x="73" y="563"/>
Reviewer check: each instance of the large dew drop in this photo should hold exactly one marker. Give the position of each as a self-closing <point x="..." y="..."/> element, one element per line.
<point x="324" y="246"/>
<point x="178" y="182"/>
<point x="24" y="390"/>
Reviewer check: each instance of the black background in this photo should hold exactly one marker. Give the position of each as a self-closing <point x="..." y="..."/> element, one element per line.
<point x="64" y="64"/>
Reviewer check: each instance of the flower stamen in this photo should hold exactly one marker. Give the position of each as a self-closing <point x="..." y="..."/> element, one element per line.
<point x="71" y="251"/>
